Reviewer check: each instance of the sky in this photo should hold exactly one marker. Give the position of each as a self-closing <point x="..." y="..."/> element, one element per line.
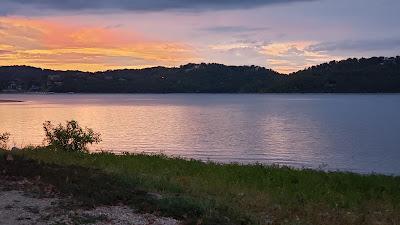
<point x="284" y="35"/>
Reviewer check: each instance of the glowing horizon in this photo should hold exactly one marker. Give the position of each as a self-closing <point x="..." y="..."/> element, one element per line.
<point x="119" y="35"/>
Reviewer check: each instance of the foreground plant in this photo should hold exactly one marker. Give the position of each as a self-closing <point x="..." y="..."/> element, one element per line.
<point x="71" y="137"/>
<point x="4" y="137"/>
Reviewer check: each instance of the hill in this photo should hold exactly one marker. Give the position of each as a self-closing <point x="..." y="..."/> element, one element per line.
<point x="377" y="74"/>
<point x="193" y="78"/>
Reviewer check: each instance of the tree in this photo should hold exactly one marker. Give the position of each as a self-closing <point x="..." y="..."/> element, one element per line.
<point x="71" y="137"/>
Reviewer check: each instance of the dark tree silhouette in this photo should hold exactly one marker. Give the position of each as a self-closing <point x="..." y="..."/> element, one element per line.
<point x="377" y="74"/>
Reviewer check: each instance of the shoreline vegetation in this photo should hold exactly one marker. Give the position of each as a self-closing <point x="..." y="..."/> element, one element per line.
<point x="195" y="192"/>
<point x="209" y="193"/>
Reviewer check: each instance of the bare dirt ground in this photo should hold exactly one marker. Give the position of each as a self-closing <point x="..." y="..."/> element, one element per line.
<point x="26" y="202"/>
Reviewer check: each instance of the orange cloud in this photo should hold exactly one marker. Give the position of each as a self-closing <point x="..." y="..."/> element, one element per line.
<point x="59" y="45"/>
<point x="287" y="57"/>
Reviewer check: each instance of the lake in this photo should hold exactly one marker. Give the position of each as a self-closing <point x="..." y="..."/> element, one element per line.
<point x="348" y="132"/>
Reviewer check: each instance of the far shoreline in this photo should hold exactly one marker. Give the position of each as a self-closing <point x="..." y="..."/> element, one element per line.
<point x="9" y="101"/>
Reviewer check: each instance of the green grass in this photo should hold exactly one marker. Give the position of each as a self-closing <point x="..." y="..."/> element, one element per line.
<point x="209" y="193"/>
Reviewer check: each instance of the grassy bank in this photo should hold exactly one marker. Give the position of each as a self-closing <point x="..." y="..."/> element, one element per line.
<point x="208" y="193"/>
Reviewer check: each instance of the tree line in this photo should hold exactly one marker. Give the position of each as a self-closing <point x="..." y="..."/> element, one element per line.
<point x="376" y="74"/>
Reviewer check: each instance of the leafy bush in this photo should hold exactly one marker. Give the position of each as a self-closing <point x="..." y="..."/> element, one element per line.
<point x="3" y="140"/>
<point x="71" y="137"/>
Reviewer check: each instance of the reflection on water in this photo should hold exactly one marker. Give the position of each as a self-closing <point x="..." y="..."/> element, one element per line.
<point x="347" y="132"/>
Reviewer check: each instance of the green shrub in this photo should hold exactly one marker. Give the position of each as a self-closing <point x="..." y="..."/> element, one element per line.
<point x="71" y="137"/>
<point x="3" y="140"/>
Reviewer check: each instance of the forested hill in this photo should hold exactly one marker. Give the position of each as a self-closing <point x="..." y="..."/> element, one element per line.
<point x="377" y="74"/>
<point x="190" y="78"/>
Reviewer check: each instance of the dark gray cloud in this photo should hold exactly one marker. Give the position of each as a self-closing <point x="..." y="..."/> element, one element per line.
<point x="233" y="29"/>
<point x="14" y="6"/>
<point x="7" y="7"/>
<point x="358" y="45"/>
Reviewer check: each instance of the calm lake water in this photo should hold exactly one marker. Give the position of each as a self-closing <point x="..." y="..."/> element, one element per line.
<point x="359" y="133"/>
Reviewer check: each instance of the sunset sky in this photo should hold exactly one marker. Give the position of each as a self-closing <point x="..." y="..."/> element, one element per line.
<point x="285" y="35"/>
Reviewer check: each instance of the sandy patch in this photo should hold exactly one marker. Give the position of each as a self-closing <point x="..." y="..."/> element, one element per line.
<point x="21" y="203"/>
